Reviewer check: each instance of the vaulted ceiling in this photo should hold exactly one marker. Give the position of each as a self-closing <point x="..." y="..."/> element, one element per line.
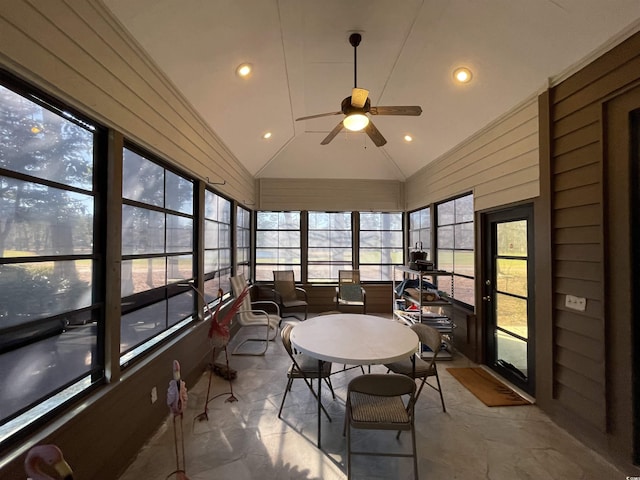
<point x="303" y="64"/>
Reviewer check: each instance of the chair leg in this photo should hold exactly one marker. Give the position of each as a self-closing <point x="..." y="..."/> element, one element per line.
<point x="266" y="341"/>
<point x="415" y="453"/>
<point x="440" y="391"/>
<point x="348" y="428"/>
<point x="328" y="380"/>
<point x="286" y="390"/>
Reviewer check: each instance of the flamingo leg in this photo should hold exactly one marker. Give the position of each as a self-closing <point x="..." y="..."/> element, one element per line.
<point x="232" y="397"/>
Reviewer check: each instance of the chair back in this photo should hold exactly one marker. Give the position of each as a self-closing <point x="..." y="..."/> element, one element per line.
<point x="348" y="276"/>
<point x="349" y="285"/>
<point x="237" y="286"/>
<point x="430" y="337"/>
<point x="383" y="385"/>
<point x="284" y="283"/>
<point x="285" y="334"/>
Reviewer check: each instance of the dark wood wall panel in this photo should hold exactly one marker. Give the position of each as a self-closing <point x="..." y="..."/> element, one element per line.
<point x="574" y="362"/>
<point x="578" y="196"/>
<point x="581" y="407"/>
<point x="581" y="234"/>
<point x="579" y="253"/>
<point x="587" y="289"/>
<point x="577" y="120"/>
<point x="625" y="52"/>
<point x="578" y="177"/>
<point x="577" y="138"/>
<point x="580" y="157"/>
<point x="581" y="374"/>
<point x="578" y="216"/>
<point x="588" y="326"/>
<point x="579" y="269"/>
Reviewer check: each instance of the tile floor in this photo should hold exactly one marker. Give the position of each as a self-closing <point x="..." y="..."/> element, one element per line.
<point x="245" y="439"/>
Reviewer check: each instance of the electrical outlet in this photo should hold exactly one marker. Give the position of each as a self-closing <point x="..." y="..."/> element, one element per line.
<point x="154" y="395"/>
<point x="576" y="303"/>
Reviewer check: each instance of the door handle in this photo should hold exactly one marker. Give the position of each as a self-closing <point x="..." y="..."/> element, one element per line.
<point x="487" y="298"/>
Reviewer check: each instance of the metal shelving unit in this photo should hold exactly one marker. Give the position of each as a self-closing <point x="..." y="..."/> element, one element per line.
<point x="424" y="302"/>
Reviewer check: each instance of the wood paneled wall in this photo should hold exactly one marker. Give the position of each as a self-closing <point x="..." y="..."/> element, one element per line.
<point x="591" y="386"/>
<point x="330" y="195"/>
<point x="77" y="52"/>
<point x="499" y="164"/>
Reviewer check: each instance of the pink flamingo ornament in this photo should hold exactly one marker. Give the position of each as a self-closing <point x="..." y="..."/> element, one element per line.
<point x="177" y="403"/>
<point x="220" y="335"/>
<point x="46" y="455"/>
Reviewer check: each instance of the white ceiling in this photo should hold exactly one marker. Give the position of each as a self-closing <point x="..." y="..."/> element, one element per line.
<point x="303" y="65"/>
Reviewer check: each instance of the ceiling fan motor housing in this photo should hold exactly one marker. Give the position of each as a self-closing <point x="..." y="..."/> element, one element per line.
<point x="347" y="108"/>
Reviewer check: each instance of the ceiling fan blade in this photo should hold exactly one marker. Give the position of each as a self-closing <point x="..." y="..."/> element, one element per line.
<point x="318" y="116"/>
<point x="375" y="135"/>
<point x="332" y="134"/>
<point x="359" y="97"/>
<point x="396" y="110"/>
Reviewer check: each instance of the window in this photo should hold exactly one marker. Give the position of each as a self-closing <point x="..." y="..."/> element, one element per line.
<point x="456" y="245"/>
<point x="243" y="242"/>
<point x="157" y="251"/>
<point x="50" y="315"/>
<point x="420" y="230"/>
<point x="330" y="245"/>
<point x="217" y="245"/>
<point x="381" y="245"/>
<point x="277" y="244"/>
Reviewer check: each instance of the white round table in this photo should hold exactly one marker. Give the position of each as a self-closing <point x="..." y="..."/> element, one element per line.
<point x="353" y="339"/>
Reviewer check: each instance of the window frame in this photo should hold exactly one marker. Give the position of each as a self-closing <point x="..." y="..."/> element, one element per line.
<point x="176" y="300"/>
<point x="262" y="267"/>
<point x="333" y="265"/>
<point x="361" y="250"/>
<point x="25" y="419"/>
<point x="437" y="225"/>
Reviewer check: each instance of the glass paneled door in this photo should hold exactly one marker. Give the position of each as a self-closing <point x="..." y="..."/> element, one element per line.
<point x="507" y="287"/>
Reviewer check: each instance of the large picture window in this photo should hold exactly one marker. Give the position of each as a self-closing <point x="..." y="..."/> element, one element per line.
<point x="420" y="230"/>
<point x="277" y="244"/>
<point x="49" y="314"/>
<point x="456" y="245"/>
<point x="157" y="251"/>
<point x="381" y="245"/>
<point x="243" y="242"/>
<point x="330" y="245"/>
<point x="217" y="244"/>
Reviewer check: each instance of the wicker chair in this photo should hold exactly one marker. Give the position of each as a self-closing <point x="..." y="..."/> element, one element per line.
<point x="287" y="295"/>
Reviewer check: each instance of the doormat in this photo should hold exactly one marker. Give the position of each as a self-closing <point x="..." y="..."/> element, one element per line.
<point x="491" y="391"/>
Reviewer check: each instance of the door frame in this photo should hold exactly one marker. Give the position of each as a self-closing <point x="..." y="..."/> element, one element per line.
<point x="519" y="211"/>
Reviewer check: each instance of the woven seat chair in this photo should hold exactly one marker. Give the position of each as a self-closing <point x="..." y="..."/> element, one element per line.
<point x="380" y="402"/>
<point x="287" y="295"/>
<point x="349" y="292"/>
<point x="432" y="338"/>
<point x="304" y="367"/>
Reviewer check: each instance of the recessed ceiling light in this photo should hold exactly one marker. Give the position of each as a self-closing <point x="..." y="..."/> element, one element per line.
<point x="244" y="70"/>
<point x="267" y="135"/>
<point x="408" y="138"/>
<point x="462" y="75"/>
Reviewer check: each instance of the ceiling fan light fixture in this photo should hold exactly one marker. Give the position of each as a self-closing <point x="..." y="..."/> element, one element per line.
<point x="462" y="75"/>
<point x="355" y="122"/>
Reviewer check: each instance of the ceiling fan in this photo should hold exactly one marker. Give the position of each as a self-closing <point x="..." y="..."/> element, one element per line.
<point x="358" y="105"/>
